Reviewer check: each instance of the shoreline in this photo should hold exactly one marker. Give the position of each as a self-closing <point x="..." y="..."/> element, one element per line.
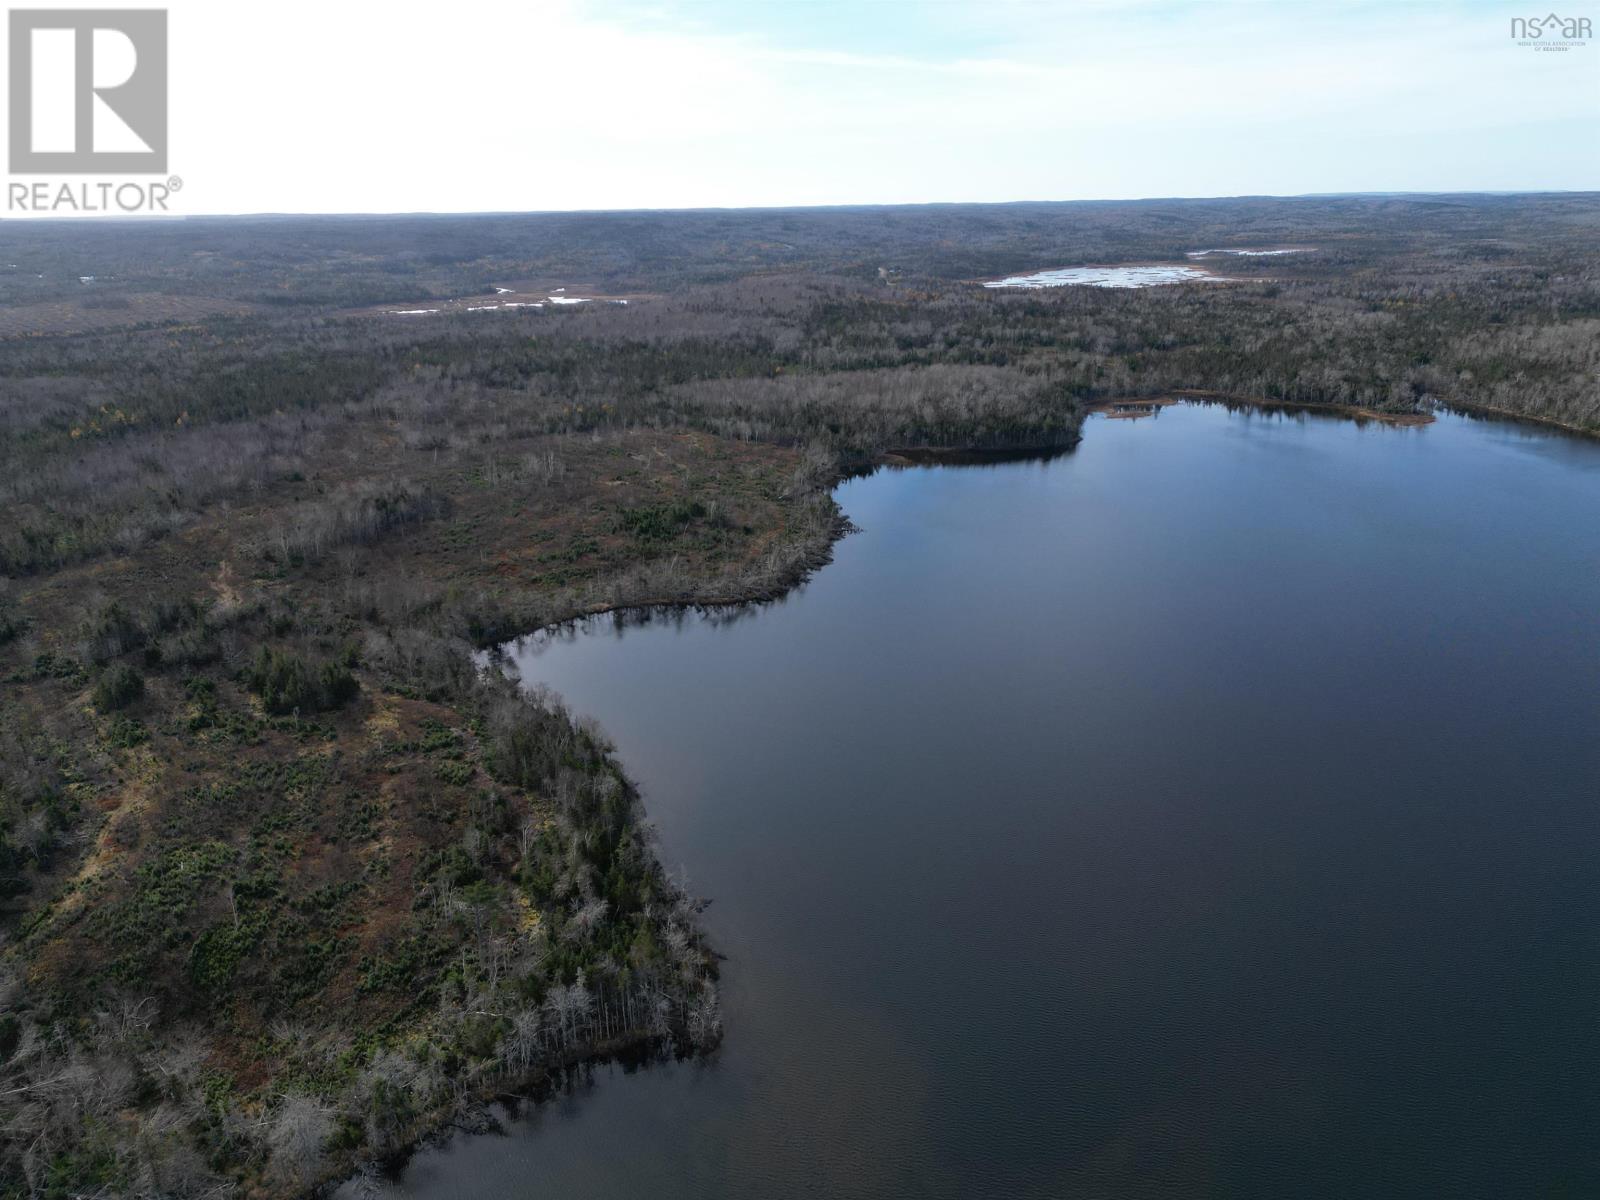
<point x="1353" y="412"/>
<point x="1489" y="412"/>
<point x="728" y="596"/>
<point x="473" y="1115"/>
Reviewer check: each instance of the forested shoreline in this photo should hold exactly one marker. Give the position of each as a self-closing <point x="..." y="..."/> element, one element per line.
<point x="285" y="880"/>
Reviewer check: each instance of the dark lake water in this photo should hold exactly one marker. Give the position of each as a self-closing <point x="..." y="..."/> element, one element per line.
<point x="1212" y="811"/>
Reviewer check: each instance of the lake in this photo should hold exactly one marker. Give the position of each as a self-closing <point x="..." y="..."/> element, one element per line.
<point x="1211" y="811"/>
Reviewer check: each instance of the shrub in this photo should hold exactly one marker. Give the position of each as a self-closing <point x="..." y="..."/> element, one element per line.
<point x="113" y="631"/>
<point x="118" y="688"/>
<point x="192" y="647"/>
<point x="458" y="773"/>
<point x="12" y="881"/>
<point x="337" y="685"/>
<point x="126" y="733"/>
<point x="286" y="683"/>
<point x="661" y="522"/>
<point x="282" y="681"/>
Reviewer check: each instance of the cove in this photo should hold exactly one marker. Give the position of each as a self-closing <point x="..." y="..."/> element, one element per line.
<point x="1212" y="810"/>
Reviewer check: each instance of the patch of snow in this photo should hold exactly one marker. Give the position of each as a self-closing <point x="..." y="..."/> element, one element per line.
<point x="411" y="312"/>
<point x="524" y="304"/>
<point x="482" y="307"/>
<point x="500" y="291"/>
<point x="1109" y="277"/>
<point x="567" y="299"/>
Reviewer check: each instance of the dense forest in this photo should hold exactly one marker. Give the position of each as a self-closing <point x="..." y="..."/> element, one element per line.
<point x="287" y="879"/>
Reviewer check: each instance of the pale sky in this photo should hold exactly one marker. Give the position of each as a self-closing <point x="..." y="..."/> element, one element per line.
<point x="475" y="105"/>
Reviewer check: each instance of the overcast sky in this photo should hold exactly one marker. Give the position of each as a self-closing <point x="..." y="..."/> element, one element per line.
<point x="459" y="105"/>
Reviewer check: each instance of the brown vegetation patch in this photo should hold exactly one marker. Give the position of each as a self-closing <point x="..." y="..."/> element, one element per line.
<point x="97" y="312"/>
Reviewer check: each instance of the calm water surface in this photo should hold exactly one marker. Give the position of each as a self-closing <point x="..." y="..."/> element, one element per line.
<point x="1210" y="812"/>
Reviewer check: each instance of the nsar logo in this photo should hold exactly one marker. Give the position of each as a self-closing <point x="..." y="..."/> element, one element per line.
<point x="1551" y="32"/>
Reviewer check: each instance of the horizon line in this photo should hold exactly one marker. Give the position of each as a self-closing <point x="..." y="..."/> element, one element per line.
<point x="145" y="218"/>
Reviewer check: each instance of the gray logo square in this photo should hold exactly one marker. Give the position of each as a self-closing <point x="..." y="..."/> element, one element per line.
<point x="80" y="101"/>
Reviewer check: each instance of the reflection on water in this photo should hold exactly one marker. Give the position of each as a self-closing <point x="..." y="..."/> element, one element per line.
<point x="1210" y="811"/>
